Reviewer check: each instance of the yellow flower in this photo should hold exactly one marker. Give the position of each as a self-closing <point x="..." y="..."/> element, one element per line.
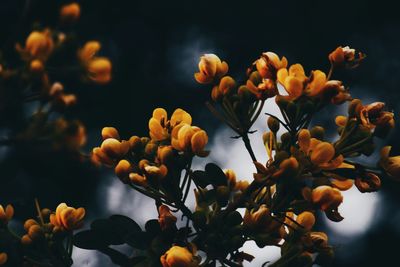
<point x="88" y="51"/>
<point x="137" y="179"/>
<point x="391" y="165"/>
<point x="269" y="64"/>
<point x="211" y="69"/>
<point x="341" y="120"/>
<point x="70" y="12"/>
<point x="39" y="44"/>
<point x="326" y="197"/>
<point x="292" y="80"/>
<point x="189" y="138"/>
<point x="226" y="85"/>
<point x="178" y="256"/>
<point x="264" y="90"/>
<point x="3" y="258"/>
<point x="99" y="70"/>
<point x="165" y="218"/>
<point x="6" y="215"/>
<point x="67" y="218"/>
<point x="159" y="125"/>
<point x="231" y="177"/>
<point x="36" y="66"/>
<point x="260" y="220"/>
<point x="123" y="169"/>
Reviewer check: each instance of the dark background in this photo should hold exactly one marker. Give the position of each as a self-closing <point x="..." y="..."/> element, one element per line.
<point x="155" y="46"/>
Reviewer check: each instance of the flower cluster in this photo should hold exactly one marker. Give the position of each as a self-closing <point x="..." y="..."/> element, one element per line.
<point x="47" y="238"/>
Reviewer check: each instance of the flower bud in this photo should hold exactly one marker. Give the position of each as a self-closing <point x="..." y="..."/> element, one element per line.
<point x="269" y="63"/>
<point x="306" y="219"/>
<point x="70" y="12"/>
<point x="198" y="141"/>
<point x="226" y="85"/>
<point x="135" y="143"/>
<point x="137" y="179"/>
<point x="273" y="124"/>
<point x="36" y="66"/>
<point x="28" y="223"/>
<point x="114" y="148"/>
<point x="216" y="94"/>
<point x="354" y="107"/>
<point x="165" y="154"/>
<point x="35" y="232"/>
<point x="26" y="240"/>
<point x="341" y="120"/>
<point x="67" y="218"/>
<point x="123" y="169"/>
<point x="109" y="132"/>
<point x="6" y="215"/>
<point x="304" y="138"/>
<point x="99" y="70"/>
<point x="317" y="132"/>
<point x="342" y="55"/>
<point x="326" y="197"/>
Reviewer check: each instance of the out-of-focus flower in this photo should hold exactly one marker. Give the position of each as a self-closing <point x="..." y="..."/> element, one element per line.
<point x="178" y="256"/>
<point x="242" y="185"/>
<point x="211" y="69"/>
<point x="3" y="258"/>
<point x="231" y="177"/>
<point x="6" y="214"/>
<point x="99" y="70"/>
<point x="292" y="80"/>
<point x="36" y="66"/>
<point x="369" y="182"/>
<point x="67" y="218"/>
<point x="341" y="120"/>
<point x="165" y="218"/>
<point x="114" y="148"/>
<point x="38" y="45"/>
<point x="326" y="197"/>
<point x="269" y="64"/>
<point x="70" y="12"/>
<point x="89" y="51"/>
<point x="391" y="165"/>
<point x="109" y="132"/>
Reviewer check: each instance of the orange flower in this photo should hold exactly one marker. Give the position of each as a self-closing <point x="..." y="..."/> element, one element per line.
<point x="211" y="69"/>
<point x="38" y="45"/>
<point x="88" y="51"/>
<point x="70" y="12"/>
<point x="7" y="214"/>
<point x="99" y="70"/>
<point x="373" y="115"/>
<point x="391" y="165"/>
<point x="190" y="139"/>
<point x="178" y="256"/>
<point x="326" y="197"/>
<point x="306" y="219"/>
<point x="166" y="219"/>
<point x="67" y="218"/>
<point x="3" y="258"/>
<point x="269" y="64"/>
<point x="159" y="125"/>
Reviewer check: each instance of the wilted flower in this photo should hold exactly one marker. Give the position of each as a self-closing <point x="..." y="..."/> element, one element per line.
<point x="211" y="69"/>
<point x="178" y="256"/>
<point x="373" y="115"/>
<point x="6" y="214"/>
<point x="67" y="218"/>
<point x="326" y="197"/>
<point x="269" y="64"/>
<point x="70" y="12"/>
<point x="165" y="218"/>
<point x="369" y="182"/>
<point x="391" y="165"/>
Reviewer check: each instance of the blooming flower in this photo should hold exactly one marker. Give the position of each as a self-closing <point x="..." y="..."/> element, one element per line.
<point x="159" y="125"/>
<point x="326" y="197"/>
<point x="269" y="64"/>
<point x="211" y="69"/>
<point x="6" y="214"/>
<point x="67" y="218"/>
<point x="292" y="80"/>
<point x="99" y="70"/>
<point x="38" y="45"/>
<point x="70" y="12"/>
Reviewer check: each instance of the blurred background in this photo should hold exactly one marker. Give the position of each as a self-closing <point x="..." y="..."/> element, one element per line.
<point x="155" y="47"/>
